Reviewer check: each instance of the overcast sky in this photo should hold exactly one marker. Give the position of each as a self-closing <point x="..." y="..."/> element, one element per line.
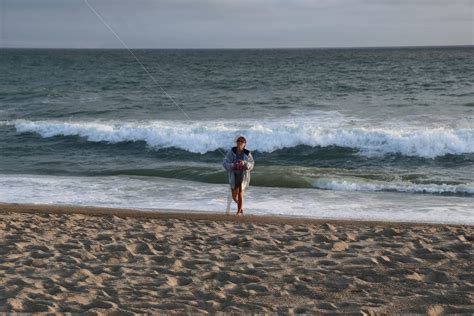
<point x="236" y="23"/>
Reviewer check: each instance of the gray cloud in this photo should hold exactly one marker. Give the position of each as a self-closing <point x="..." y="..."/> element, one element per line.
<point x="237" y="23"/>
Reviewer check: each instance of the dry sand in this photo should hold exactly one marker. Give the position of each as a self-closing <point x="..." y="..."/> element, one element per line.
<point x="122" y="262"/>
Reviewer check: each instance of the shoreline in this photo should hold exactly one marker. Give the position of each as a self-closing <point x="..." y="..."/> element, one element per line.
<point x="200" y="215"/>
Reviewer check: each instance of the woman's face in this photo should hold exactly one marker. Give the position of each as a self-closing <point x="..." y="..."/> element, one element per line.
<point x="240" y="143"/>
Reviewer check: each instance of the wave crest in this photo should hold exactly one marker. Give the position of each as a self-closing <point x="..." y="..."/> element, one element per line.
<point x="405" y="187"/>
<point x="267" y="135"/>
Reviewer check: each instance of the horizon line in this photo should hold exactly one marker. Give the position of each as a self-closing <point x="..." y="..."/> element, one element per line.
<point x="241" y="48"/>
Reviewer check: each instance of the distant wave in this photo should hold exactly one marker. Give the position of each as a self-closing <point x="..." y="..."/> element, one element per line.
<point x="405" y="187"/>
<point x="268" y="135"/>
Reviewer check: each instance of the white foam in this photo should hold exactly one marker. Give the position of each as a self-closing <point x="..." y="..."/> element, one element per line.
<point x="268" y="135"/>
<point x="158" y="194"/>
<point x="407" y="187"/>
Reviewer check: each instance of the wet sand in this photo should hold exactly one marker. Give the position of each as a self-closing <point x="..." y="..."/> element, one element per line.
<point x="73" y="259"/>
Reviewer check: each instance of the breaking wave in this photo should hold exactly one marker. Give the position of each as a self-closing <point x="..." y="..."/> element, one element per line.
<point x="268" y="135"/>
<point x="403" y="187"/>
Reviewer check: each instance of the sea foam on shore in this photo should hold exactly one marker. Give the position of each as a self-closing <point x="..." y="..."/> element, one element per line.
<point x="150" y="193"/>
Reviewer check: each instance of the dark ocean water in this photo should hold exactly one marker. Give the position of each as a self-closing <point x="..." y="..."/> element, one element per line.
<point x="396" y="120"/>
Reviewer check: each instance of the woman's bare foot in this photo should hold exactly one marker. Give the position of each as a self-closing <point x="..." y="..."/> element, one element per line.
<point x="240" y="213"/>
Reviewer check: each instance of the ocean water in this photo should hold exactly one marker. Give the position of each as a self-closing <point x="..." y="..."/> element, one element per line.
<point x="368" y="134"/>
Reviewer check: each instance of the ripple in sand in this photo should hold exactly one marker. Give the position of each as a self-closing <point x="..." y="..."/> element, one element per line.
<point x="39" y="254"/>
<point x="257" y="289"/>
<point x="231" y="257"/>
<point x="368" y="276"/>
<point x="115" y="247"/>
<point x="328" y="263"/>
<point x="139" y="248"/>
<point x="164" y="260"/>
<point x="437" y="276"/>
<point x="340" y="246"/>
<point x="414" y="277"/>
<point x="38" y="306"/>
<point x="327" y="306"/>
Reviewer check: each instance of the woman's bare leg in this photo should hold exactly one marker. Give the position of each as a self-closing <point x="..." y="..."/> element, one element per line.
<point x="235" y="194"/>
<point x="240" y="203"/>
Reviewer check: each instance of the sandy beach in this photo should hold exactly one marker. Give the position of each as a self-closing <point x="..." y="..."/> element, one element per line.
<point x="72" y="259"/>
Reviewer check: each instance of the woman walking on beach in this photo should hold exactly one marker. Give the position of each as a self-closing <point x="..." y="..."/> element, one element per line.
<point x="239" y="162"/>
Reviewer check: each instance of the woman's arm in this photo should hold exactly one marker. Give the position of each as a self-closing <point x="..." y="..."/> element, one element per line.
<point x="228" y="165"/>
